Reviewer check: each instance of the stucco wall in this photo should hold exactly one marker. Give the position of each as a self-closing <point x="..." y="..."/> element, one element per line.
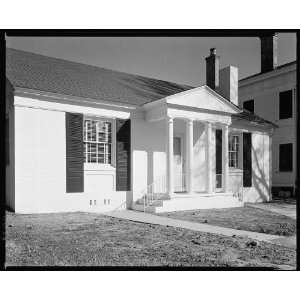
<point x="260" y="190"/>
<point x="40" y="173"/>
<point x="265" y="93"/>
<point x="148" y="141"/>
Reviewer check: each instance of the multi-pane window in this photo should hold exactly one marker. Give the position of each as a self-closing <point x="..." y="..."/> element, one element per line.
<point x="249" y="105"/>
<point x="286" y="104"/>
<point x="233" y="151"/>
<point x="97" y="141"/>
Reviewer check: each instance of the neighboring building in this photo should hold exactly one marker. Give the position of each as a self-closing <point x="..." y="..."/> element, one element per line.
<point x="271" y="94"/>
<point x="84" y="138"/>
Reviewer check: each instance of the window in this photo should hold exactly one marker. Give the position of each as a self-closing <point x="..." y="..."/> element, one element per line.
<point x="249" y="105"/>
<point x="233" y="151"/>
<point x="97" y="141"/>
<point x="286" y="157"/>
<point x="286" y="104"/>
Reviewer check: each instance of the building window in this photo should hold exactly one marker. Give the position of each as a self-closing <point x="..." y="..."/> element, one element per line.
<point x="286" y="157"/>
<point x="286" y="104"/>
<point x="97" y="141"/>
<point x="233" y="151"/>
<point x="249" y="105"/>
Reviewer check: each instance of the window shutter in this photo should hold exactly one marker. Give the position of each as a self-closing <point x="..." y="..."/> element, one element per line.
<point x="218" y="158"/>
<point x="247" y="159"/>
<point x="123" y="174"/>
<point x="74" y="153"/>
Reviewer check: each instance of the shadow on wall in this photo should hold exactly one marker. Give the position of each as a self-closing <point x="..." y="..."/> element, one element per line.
<point x="259" y="181"/>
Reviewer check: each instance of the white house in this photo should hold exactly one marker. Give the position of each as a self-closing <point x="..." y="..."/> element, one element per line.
<point x="84" y="138"/>
<point x="272" y="95"/>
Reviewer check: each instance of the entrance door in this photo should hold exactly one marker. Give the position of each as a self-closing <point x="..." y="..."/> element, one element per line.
<point x="179" y="182"/>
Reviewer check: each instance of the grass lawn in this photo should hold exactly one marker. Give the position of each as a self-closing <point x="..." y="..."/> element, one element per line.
<point x="244" y="218"/>
<point x="85" y="239"/>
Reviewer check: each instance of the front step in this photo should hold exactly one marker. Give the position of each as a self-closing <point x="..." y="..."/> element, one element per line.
<point x="190" y="202"/>
<point x="141" y="207"/>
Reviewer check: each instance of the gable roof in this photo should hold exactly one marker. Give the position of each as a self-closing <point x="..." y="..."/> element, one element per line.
<point x="43" y="73"/>
<point x="49" y="74"/>
<point x="251" y="117"/>
<point x="274" y="70"/>
<point x="204" y="97"/>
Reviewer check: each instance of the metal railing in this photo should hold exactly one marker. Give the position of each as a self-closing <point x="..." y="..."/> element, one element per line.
<point x="154" y="191"/>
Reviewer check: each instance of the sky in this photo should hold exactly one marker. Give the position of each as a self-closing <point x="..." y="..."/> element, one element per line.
<point x="175" y="59"/>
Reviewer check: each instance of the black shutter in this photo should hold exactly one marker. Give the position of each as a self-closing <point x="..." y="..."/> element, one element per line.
<point x="218" y="158"/>
<point x="74" y="153"/>
<point x="247" y="159"/>
<point x="123" y="174"/>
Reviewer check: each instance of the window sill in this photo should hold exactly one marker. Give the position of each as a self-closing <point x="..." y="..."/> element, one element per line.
<point x="98" y="167"/>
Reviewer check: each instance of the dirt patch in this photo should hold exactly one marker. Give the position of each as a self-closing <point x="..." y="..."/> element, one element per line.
<point x="82" y="239"/>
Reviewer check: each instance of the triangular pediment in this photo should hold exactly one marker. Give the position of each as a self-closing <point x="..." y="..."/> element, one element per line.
<point x="203" y="98"/>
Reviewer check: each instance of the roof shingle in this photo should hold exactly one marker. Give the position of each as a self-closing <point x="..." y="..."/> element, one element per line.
<point x="49" y="74"/>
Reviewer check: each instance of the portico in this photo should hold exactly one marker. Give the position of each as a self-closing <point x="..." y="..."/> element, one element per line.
<point x="188" y="157"/>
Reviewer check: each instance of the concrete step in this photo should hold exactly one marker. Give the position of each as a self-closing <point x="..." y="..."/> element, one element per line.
<point x="153" y="203"/>
<point x="190" y="202"/>
<point x="140" y="207"/>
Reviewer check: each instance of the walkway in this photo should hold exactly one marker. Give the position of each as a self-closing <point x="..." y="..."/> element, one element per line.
<point x="165" y="221"/>
<point x="285" y="209"/>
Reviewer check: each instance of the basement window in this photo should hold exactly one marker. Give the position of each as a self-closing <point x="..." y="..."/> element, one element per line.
<point x="97" y="141"/>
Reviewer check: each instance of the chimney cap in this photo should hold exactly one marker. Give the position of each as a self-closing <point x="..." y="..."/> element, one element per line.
<point x="213" y="51"/>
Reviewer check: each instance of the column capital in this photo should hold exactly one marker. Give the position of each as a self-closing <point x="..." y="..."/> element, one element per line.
<point x="208" y="124"/>
<point x="189" y="121"/>
<point x="170" y="119"/>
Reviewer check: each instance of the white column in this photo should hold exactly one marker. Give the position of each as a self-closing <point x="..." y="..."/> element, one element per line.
<point x="225" y="159"/>
<point x="208" y="129"/>
<point x="189" y="154"/>
<point x="170" y="177"/>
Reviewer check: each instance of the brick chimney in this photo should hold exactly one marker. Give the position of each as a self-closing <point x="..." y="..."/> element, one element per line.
<point x="212" y="69"/>
<point x="268" y="52"/>
<point x="229" y="80"/>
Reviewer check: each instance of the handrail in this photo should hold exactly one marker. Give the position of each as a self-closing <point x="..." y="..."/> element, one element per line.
<point x="151" y="192"/>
